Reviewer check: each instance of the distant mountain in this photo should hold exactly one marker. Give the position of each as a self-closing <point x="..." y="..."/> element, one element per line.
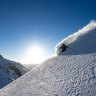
<point x="72" y="72"/>
<point x="10" y="71"/>
<point x="29" y="66"/>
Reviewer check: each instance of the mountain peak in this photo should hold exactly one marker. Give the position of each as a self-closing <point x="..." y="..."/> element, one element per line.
<point x="10" y="71"/>
<point x="1" y="57"/>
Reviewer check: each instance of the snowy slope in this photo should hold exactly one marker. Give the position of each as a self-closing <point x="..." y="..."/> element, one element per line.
<point x="73" y="73"/>
<point x="9" y="71"/>
<point x="59" y="76"/>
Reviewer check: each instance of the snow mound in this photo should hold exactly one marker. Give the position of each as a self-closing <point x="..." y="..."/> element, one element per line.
<point x="73" y="39"/>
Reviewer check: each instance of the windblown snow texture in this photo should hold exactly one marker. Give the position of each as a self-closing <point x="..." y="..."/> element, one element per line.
<point x="69" y="74"/>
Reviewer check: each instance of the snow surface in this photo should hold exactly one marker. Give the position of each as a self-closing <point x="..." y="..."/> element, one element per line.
<point x="70" y="74"/>
<point x="9" y="71"/>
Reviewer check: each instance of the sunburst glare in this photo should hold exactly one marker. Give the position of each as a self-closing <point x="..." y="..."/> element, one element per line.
<point x="34" y="54"/>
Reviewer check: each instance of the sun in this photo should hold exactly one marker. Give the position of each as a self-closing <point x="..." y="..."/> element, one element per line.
<point x="35" y="54"/>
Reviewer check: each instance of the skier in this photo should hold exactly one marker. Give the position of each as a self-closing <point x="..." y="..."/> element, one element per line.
<point x="63" y="48"/>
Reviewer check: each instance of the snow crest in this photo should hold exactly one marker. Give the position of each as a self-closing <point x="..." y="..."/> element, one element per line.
<point x="77" y="36"/>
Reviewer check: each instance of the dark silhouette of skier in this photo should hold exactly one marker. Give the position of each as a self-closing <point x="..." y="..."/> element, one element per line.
<point x="64" y="47"/>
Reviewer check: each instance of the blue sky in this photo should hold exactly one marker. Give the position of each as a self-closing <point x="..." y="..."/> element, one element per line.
<point x="24" y="22"/>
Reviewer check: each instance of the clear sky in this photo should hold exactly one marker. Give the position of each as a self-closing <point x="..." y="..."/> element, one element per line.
<point x="47" y="22"/>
